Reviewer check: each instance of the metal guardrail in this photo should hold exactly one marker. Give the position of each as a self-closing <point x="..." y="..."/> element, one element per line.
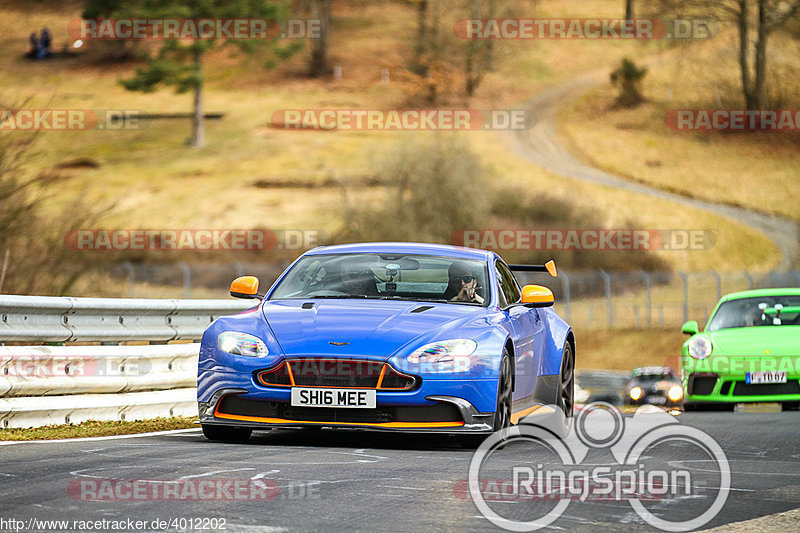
<point x="67" y="319"/>
<point x="41" y="385"/>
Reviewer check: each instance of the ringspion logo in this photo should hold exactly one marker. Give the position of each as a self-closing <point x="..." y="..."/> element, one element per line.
<point x="547" y="462"/>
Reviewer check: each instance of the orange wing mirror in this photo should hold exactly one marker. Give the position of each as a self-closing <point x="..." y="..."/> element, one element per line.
<point x="537" y="296"/>
<point x="245" y="287"/>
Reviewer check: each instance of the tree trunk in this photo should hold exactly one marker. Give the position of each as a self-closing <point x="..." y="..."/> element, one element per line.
<point x="744" y="60"/>
<point x="422" y="37"/>
<point x="629" y="9"/>
<point x="198" y="132"/>
<point x="759" y="87"/>
<point x="320" y="10"/>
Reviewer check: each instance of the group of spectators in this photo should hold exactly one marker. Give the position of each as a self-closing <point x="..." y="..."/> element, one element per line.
<point x="40" y="45"/>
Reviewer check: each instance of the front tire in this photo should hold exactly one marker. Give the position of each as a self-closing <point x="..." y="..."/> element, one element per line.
<point x="714" y="407"/>
<point x="502" y="417"/>
<point x="790" y="406"/>
<point x="226" y="433"/>
<point x="566" y="392"/>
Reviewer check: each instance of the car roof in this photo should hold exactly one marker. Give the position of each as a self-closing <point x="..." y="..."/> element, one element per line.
<point x="405" y="248"/>
<point x="791" y="291"/>
<point x="644" y="370"/>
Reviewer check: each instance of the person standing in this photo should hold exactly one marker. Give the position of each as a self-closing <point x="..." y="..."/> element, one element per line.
<point x="44" y="44"/>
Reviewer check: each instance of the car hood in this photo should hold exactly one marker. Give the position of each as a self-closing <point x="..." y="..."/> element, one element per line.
<point x="757" y="340"/>
<point x="375" y="329"/>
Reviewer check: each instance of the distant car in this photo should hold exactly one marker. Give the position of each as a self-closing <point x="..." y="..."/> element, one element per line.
<point x="748" y="352"/>
<point x="654" y="385"/>
<point x="387" y="336"/>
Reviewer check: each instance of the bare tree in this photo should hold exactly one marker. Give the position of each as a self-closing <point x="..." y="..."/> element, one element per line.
<point x="629" y="14"/>
<point x="756" y="21"/>
<point x="321" y="11"/>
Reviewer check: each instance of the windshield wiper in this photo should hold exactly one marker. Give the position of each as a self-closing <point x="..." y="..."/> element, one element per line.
<point x="340" y="296"/>
<point x="413" y="299"/>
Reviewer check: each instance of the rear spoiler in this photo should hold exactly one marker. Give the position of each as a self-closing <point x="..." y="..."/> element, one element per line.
<point x="550" y="267"/>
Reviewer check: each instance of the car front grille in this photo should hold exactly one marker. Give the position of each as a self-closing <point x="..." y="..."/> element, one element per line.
<point x="766" y="389"/>
<point x="339" y="373"/>
<point x="701" y="384"/>
<point x="282" y="412"/>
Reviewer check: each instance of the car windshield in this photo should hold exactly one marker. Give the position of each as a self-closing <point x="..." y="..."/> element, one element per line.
<point x="758" y="311"/>
<point x="654" y="377"/>
<point x="386" y="276"/>
<point x="652" y="373"/>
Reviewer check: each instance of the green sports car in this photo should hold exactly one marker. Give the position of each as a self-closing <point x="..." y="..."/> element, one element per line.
<point x="748" y="352"/>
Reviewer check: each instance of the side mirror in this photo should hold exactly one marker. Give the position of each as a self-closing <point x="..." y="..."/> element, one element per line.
<point x="690" y="328"/>
<point x="537" y="296"/>
<point x="245" y="287"/>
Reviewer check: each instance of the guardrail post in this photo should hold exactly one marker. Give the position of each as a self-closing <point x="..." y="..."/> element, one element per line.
<point x="565" y="288"/>
<point x="609" y="309"/>
<point x="718" y="279"/>
<point x="131" y="279"/>
<point x="186" y="270"/>
<point x="647" y="296"/>
<point x="685" y="278"/>
<point x="749" y="278"/>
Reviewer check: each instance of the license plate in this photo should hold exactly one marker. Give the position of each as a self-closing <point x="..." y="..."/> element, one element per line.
<point x="656" y="400"/>
<point x="354" y="398"/>
<point x="777" y="376"/>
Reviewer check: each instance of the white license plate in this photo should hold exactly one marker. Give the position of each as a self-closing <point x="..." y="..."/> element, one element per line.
<point x="656" y="400"/>
<point x="313" y="397"/>
<point x="777" y="376"/>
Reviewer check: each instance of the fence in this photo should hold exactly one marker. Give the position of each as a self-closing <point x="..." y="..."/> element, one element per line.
<point x="42" y="385"/>
<point x="588" y="299"/>
<point x="599" y="299"/>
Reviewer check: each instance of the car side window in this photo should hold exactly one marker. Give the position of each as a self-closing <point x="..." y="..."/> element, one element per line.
<point x="501" y="295"/>
<point x="508" y="285"/>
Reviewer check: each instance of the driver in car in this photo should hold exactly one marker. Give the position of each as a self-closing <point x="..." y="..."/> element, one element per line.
<point x="462" y="285"/>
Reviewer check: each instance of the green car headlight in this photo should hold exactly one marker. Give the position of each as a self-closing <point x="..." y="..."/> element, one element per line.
<point x="700" y="347"/>
<point x="238" y="343"/>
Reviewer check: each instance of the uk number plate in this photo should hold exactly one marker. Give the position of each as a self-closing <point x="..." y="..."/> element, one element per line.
<point x="313" y="397"/>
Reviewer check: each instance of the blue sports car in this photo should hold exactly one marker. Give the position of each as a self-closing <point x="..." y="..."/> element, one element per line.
<point x="389" y="336"/>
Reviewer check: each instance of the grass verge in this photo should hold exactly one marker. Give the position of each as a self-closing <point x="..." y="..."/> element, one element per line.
<point x="626" y="349"/>
<point x="94" y="428"/>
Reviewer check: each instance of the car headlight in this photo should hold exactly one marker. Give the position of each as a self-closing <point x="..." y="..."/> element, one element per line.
<point x="700" y="347"/>
<point x="675" y="393"/>
<point x="635" y="393"/>
<point x="443" y="351"/>
<point x="238" y="343"/>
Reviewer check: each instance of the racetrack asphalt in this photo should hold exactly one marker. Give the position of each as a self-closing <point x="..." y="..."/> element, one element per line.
<point x="370" y="481"/>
